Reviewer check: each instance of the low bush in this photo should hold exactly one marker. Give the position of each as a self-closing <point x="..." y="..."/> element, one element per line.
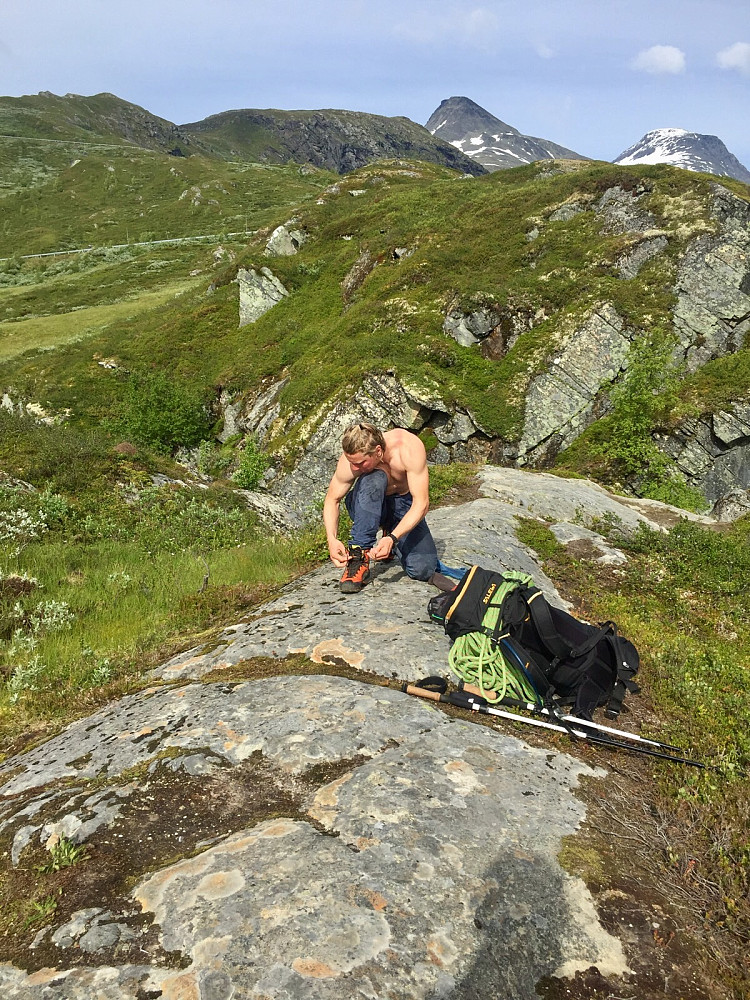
<point x="162" y="413"/>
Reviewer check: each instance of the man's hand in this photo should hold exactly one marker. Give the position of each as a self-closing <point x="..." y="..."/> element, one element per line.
<point x="338" y="553"/>
<point x="383" y="548"/>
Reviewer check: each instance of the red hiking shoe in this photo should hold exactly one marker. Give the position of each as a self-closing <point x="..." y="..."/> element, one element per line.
<point x="357" y="571"/>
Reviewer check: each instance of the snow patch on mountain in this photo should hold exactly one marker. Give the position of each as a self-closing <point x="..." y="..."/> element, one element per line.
<point x="688" y="150"/>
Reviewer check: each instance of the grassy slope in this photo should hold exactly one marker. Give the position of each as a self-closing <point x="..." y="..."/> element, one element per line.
<point x="101" y="198"/>
<point x="470" y="248"/>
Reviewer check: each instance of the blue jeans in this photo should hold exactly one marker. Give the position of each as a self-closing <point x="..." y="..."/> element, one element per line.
<point x="370" y="509"/>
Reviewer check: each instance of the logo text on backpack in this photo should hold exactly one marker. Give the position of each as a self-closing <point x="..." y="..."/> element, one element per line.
<point x="491" y="590"/>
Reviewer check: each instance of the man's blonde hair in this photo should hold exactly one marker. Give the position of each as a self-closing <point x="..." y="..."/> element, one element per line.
<point x="362" y="438"/>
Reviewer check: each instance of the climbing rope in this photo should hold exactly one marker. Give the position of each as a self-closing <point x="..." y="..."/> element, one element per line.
<point x="478" y="659"/>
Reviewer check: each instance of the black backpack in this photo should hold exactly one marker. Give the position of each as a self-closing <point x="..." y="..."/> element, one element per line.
<point x="507" y="635"/>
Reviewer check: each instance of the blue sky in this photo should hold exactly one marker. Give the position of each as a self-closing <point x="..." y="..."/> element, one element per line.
<point x="593" y="75"/>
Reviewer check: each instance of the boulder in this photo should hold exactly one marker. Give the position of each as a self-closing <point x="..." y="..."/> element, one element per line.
<point x="469" y="328"/>
<point x="285" y="241"/>
<point x="733" y="505"/>
<point x="259" y="292"/>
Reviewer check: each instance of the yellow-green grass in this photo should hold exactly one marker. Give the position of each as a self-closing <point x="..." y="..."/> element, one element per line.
<point x="44" y="333"/>
<point x="128" y="605"/>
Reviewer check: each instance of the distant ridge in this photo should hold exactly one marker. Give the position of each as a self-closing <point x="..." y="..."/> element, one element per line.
<point x="332" y="139"/>
<point x="689" y="150"/>
<point x="487" y="139"/>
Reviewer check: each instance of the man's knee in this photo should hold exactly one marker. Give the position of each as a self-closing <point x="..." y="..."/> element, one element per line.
<point x="374" y="482"/>
<point x="420" y="565"/>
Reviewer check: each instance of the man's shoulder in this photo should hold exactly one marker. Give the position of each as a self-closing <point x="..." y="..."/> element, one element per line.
<point x="404" y="445"/>
<point x="399" y="436"/>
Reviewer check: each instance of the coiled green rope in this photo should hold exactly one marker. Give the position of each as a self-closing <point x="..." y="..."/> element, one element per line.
<point x="479" y="661"/>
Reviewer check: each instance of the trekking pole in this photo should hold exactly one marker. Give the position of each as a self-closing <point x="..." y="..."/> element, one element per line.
<point x="538" y="710"/>
<point x="462" y="700"/>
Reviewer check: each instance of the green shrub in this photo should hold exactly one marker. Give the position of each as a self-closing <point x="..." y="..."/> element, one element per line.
<point x="162" y="413"/>
<point x="253" y="463"/>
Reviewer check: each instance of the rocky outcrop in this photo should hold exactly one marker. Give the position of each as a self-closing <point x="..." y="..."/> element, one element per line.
<point x="259" y="292"/>
<point x="355" y="277"/>
<point x="712" y="312"/>
<point x="645" y="250"/>
<point x="560" y="402"/>
<point x="621" y="212"/>
<point x="331" y="139"/>
<point x="712" y="452"/>
<point x="576" y="364"/>
<point x="733" y="505"/>
<point x="285" y="241"/>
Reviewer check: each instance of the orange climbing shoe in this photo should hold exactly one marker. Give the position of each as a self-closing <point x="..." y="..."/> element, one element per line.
<point x="357" y="571"/>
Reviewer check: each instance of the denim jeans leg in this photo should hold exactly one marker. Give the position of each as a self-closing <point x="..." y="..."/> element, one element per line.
<point x="365" y="503"/>
<point x="416" y="551"/>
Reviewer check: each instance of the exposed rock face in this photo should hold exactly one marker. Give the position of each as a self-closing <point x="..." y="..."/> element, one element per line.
<point x="285" y="241"/>
<point x="355" y="277"/>
<point x="734" y="505"/>
<point x="560" y="402"/>
<point x="335" y="140"/>
<point x="468" y="329"/>
<point x="622" y="213"/>
<point x="712" y="314"/>
<point x="713" y="452"/>
<point x="631" y="263"/>
<point x="259" y="292"/>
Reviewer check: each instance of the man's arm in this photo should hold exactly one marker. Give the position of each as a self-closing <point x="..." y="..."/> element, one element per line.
<point x="337" y="490"/>
<point x="414" y="458"/>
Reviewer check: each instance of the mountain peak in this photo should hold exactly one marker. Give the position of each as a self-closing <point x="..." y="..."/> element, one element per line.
<point x="488" y="140"/>
<point x="689" y="150"/>
<point x="456" y="117"/>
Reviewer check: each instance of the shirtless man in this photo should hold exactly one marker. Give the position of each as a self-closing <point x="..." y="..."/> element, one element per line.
<point x="383" y="481"/>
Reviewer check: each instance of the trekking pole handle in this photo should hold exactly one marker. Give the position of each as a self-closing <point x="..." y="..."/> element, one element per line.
<point x="421" y="692"/>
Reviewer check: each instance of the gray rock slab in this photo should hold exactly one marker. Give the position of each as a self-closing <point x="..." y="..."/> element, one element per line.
<point x="259" y="291"/>
<point x="414" y="874"/>
<point x="559" y="401"/>
<point x="540" y="494"/>
<point x="385" y="628"/>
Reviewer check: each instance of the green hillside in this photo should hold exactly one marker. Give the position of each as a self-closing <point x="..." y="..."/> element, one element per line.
<point x="101" y="198"/>
<point x="101" y="119"/>
<point x="467" y="244"/>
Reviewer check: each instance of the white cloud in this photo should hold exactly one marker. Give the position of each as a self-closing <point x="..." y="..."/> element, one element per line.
<point x="735" y="56"/>
<point x="660" y="59"/>
<point x="475" y="27"/>
<point x="543" y="50"/>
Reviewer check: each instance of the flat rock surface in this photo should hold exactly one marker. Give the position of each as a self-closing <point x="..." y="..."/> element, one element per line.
<point x="315" y="836"/>
<point x="411" y="874"/>
<point x="385" y="628"/>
